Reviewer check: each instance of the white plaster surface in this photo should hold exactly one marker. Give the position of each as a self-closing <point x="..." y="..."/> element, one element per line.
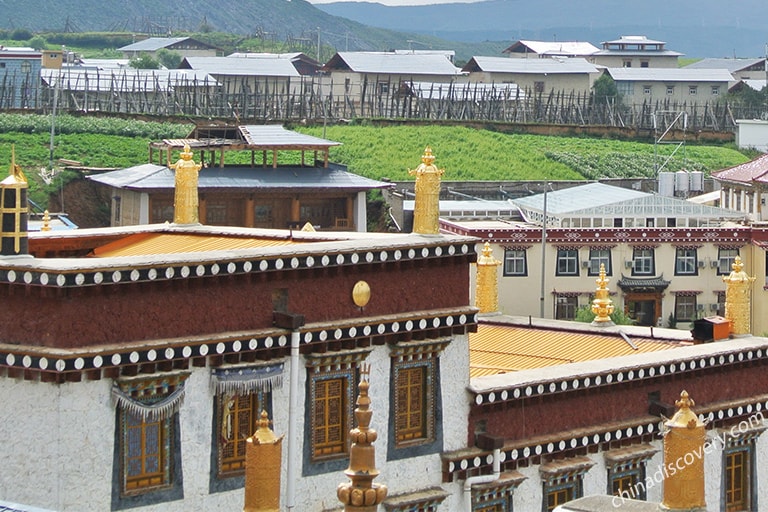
<point x="59" y="441"/>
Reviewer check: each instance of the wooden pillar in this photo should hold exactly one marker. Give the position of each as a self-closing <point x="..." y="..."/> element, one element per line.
<point x="295" y="209"/>
<point x="201" y="209"/>
<point x="274" y="159"/>
<point x="350" y="214"/>
<point x="221" y="158"/>
<point x="250" y="204"/>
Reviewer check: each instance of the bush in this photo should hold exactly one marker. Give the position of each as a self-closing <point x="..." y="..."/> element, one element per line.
<point x="585" y="314"/>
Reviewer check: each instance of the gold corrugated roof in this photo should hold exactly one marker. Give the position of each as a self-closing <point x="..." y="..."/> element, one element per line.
<point x="143" y="244"/>
<point x="497" y="349"/>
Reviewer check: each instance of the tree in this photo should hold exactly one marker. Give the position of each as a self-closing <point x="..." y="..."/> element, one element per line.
<point x="169" y="59"/>
<point x="144" y="61"/>
<point x="38" y="42"/>
<point x="604" y="89"/>
<point x="585" y="314"/>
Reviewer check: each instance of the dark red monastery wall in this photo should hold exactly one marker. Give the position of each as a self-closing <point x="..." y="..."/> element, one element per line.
<point x="585" y="408"/>
<point x="95" y="315"/>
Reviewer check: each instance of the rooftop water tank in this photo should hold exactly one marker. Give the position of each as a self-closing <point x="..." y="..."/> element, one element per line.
<point x="667" y="184"/>
<point x="697" y="181"/>
<point x="682" y="181"/>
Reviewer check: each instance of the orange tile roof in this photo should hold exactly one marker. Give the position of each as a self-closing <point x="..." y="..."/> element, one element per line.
<point x="143" y="244"/>
<point x="497" y="349"/>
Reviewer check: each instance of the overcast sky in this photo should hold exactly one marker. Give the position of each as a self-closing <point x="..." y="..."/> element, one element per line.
<point x="398" y="2"/>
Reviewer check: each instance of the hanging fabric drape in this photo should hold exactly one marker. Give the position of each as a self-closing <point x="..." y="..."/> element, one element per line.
<point x="158" y="410"/>
<point x="247" y="379"/>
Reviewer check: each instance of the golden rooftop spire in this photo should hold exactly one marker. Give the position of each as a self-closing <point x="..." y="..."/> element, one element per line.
<point x="263" y="456"/>
<point x="361" y="494"/>
<point x="602" y="305"/>
<point x="684" y="438"/>
<point x="426" y="211"/>
<point x="487" y="289"/>
<point x="14" y="211"/>
<point x="737" y="302"/>
<point x="185" y="201"/>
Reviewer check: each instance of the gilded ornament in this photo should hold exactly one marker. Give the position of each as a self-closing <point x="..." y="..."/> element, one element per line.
<point x="361" y="294"/>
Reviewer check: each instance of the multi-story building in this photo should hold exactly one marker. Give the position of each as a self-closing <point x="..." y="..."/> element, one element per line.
<point x="665" y="257"/>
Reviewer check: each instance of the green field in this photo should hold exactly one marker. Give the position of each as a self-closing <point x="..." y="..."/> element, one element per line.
<point x="374" y="152"/>
<point x="470" y="154"/>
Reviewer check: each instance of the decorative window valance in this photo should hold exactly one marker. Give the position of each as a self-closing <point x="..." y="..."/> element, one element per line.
<point x="686" y="293"/>
<point x="568" y="247"/>
<point x="602" y="247"/>
<point x="562" y="471"/>
<point x="622" y="459"/>
<point x="726" y="245"/>
<point x="419" y="349"/>
<point x="688" y="246"/>
<point x="517" y="247"/>
<point x="331" y="361"/>
<point x="242" y="380"/>
<point x="740" y="434"/>
<point x="152" y="398"/>
<point x="640" y="247"/>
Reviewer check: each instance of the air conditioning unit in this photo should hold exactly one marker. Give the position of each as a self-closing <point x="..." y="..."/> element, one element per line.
<point x="701" y="264"/>
<point x="713" y="307"/>
<point x="714" y="263"/>
<point x="628" y="264"/>
<point x="585" y="264"/>
<point x="700" y="307"/>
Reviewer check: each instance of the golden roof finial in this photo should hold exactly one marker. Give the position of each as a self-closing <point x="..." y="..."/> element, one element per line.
<point x="185" y="201"/>
<point x="602" y="305"/>
<point x="737" y="297"/>
<point x="487" y="289"/>
<point x="15" y="175"/>
<point x="685" y="434"/>
<point x="263" y="457"/>
<point x="15" y="211"/>
<point x="361" y="494"/>
<point x="46" y="221"/>
<point x="426" y="210"/>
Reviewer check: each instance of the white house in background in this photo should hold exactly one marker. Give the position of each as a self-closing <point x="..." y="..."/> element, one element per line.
<point x="303" y="63"/>
<point x="741" y="69"/>
<point x="524" y="49"/>
<point x="534" y="75"/>
<point x="752" y="134"/>
<point x="364" y="76"/>
<point x="635" y="52"/>
<point x="637" y="85"/>
<point x="185" y="46"/>
<point x="248" y="75"/>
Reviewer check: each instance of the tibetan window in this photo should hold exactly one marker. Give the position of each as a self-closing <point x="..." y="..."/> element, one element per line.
<point x="686" y="261"/>
<point x="686" y="306"/>
<point x="739" y="477"/>
<point x="725" y="258"/>
<point x="643" y="262"/>
<point x="242" y="392"/>
<point x="426" y="500"/>
<point x="627" y="469"/>
<point x="515" y="262"/>
<point x="414" y="383"/>
<point x="563" y="481"/>
<point x="496" y="496"/>
<point x="146" y="410"/>
<point x="331" y="401"/>
<point x="567" y="262"/>
<point x="599" y="256"/>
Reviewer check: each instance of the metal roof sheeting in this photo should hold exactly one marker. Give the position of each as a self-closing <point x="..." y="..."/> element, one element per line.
<point x="239" y="66"/>
<point x="732" y="65"/>
<point x="164" y="243"/>
<point x="756" y="169"/>
<point x="276" y="136"/>
<point x="563" y="65"/>
<point x="495" y="349"/>
<point x="127" y="79"/>
<point x="158" y="177"/>
<point x="575" y="48"/>
<point x="670" y="75"/>
<point x="393" y="63"/>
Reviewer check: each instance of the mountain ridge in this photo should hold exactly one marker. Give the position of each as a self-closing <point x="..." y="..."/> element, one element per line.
<point x="708" y="29"/>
